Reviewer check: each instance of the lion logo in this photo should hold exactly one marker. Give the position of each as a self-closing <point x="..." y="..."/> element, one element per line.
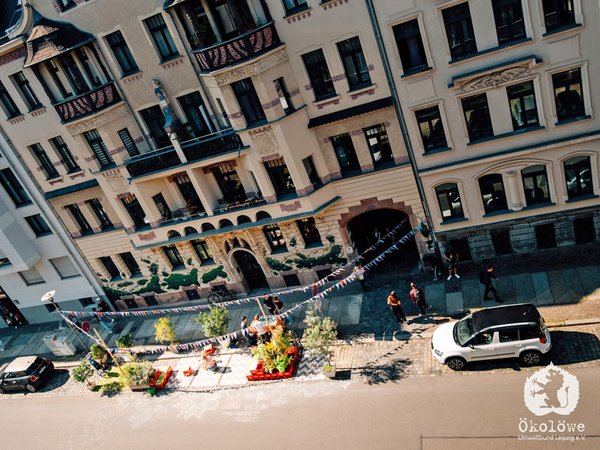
<point x="551" y="390"/>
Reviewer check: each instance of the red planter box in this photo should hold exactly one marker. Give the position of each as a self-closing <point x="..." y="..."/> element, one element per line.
<point x="259" y="374"/>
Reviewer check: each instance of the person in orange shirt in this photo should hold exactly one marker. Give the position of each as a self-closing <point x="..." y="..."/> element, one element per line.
<point x="396" y="307"/>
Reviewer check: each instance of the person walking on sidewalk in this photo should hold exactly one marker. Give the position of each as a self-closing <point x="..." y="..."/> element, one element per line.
<point x="396" y="307"/>
<point x="485" y="277"/>
<point x="451" y="257"/>
<point x="359" y="274"/>
<point x="417" y="296"/>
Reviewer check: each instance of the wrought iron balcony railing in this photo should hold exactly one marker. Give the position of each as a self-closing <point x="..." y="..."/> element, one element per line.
<point x="212" y="145"/>
<point x="88" y="103"/>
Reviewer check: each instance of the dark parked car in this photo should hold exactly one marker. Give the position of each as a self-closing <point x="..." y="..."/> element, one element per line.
<point x="25" y="372"/>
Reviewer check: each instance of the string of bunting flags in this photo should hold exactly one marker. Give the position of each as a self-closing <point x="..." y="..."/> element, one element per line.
<point x="245" y="300"/>
<point x="241" y="333"/>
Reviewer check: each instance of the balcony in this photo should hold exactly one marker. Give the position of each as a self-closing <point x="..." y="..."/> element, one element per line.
<point x="88" y="103"/>
<point x="215" y="144"/>
<point x="152" y="162"/>
<point x="239" y="49"/>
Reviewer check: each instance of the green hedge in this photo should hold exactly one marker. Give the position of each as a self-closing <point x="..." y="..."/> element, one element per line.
<point x="212" y="275"/>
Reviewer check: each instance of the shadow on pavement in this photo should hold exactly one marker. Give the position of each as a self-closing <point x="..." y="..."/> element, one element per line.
<point x="60" y="377"/>
<point x="390" y="371"/>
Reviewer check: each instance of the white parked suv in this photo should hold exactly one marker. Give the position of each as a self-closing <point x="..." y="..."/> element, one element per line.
<point x="511" y="331"/>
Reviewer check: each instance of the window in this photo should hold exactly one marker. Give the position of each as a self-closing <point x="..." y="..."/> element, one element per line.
<point x="32" y="276"/>
<point x="535" y="184"/>
<point x="233" y="17"/>
<point x="195" y="112"/>
<point x="483" y="338"/>
<point x="131" y="303"/>
<point x="291" y="280"/>
<point x="64" y="5"/>
<point x="309" y="231"/>
<point x="26" y="92"/>
<point x="431" y="128"/>
<point x="8" y="104"/>
<point x="318" y="73"/>
<point x="509" y="335"/>
<point x="86" y="301"/>
<point x="410" y="46"/>
<point x="13" y="188"/>
<point x="80" y="220"/>
<point x="162" y="206"/>
<point x="192" y="201"/>
<point x="65" y="267"/>
<point x="73" y="73"/>
<point x="311" y="171"/>
<point x="584" y="230"/>
<point x="294" y="6"/>
<point x="558" y="14"/>
<point x="492" y="193"/>
<point x="53" y="69"/>
<point x="98" y="209"/>
<point x="122" y="54"/>
<point x="225" y="119"/>
<point x="128" y="142"/>
<point x="229" y="182"/>
<point x="155" y="124"/>
<point x="135" y="211"/>
<point x="477" y="116"/>
<point x="578" y="174"/>
<point x="545" y="236"/>
<point x="523" y="110"/>
<point x="275" y="238"/>
<point x="42" y="157"/>
<point x="98" y="146"/>
<point x="202" y="250"/>
<point x="38" y="225"/>
<point x="459" y="30"/>
<point x="283" y="94"/>
<point x="65" y="154"/>
<point x="449" y="201"/>
<point x="355" y="64"/>
<point x="568" y="94"/>
<point x="161" y="37"/>
<point x="280" y="177"/>
<point x="173" y="256"/>
<point x="501" y="242"/>
<point x="130" y="263"/>
<point x="345" y="153"/>
<point x="379" y="144"/>
<point x="248" y="100"/>
<point x="110" y="267"/>
<point x="508" y="15"/>
<point x="529" y="332"/>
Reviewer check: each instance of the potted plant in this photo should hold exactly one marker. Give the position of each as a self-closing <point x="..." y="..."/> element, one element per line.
<point x="138" y="375"/>
<point x="319" y="335"/>
<point x="125" y="341"/>
<point x="99" y="354"/>
<point x="82" y="373"/>
<point x="215" y="323"/>
<point x="275" y="354"/>
<point x="164" y="331"/>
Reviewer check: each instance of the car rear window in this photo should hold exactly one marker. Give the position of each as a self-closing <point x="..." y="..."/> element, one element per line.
<point x="530" y="332"/>
<point x="34" y="365"/>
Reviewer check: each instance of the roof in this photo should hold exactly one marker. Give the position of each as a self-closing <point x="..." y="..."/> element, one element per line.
<point x="70" y="189"/>
<point x="504" y="315"/>
<point x="49" y="38"/>
<point x="169" y="3"/>
<point x="20" y="364"/>
<point x="351" y="112"/>
<point x="11" y="12"/>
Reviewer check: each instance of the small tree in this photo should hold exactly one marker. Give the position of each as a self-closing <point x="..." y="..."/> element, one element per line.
<point x="125" y="341"/>
<point x="97" y="352"/>
<point x="215" y="322"/>
<point x="82" y="372"/>
<point x="320" y="333"/>
<point x="164" y="331"/>
<point x="138" y="374"/>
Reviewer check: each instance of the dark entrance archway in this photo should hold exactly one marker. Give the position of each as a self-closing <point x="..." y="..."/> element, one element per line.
<point x="251" y="270"/>
<point x="9" y="311"/>
<point x="364" y="229"/>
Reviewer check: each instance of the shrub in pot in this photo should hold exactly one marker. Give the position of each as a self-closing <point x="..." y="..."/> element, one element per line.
<point x="164" y="331"/>
<point x="138" y="375"/>
<point x="215" y="322"/>
<point x="82" y="373"/>
<point x="125" y="341"/>
<point x="98" y="354"/>
<point x="319" y="335"/>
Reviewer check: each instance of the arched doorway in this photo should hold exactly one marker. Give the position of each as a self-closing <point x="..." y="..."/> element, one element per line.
<point x="364" y="228"/>
<point x="250" y="269"/>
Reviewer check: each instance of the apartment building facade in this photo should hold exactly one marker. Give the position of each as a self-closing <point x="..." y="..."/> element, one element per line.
<point x="193" y="144"/>
<point x="499" y="99"/>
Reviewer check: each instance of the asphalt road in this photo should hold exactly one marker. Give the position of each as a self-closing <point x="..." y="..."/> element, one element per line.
<point x="466" y="412"/>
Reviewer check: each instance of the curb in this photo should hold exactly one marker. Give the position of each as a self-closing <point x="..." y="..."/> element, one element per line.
<point x="574" y="322"/>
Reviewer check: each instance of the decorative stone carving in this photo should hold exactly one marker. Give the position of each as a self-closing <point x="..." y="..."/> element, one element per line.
<point x="264" y="141"/>
<point x="117" y="183"/>
<point x="99" y="120"/>
<point x="255" y="68"/>
<point x="495" y="78"/>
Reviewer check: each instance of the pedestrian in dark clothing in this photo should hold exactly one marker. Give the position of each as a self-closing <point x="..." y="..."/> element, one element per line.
<point x="485" y="277"/>
<point x="451" y="257"/>
<point x="278" y="304"/>
<point x="417" y="296"/>
<point x="396" y="307"/>
<point x="268" y="303"/>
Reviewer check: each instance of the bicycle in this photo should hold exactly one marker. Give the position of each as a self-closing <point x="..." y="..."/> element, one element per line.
<point x="220" y="294"/>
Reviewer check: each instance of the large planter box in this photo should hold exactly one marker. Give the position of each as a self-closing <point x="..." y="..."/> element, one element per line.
<point x="259" y="373"/>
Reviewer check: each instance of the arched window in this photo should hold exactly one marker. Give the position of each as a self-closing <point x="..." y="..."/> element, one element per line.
<point x="243" y="219"/>
<point x="275" y="237"/>
<point x="172" y="234"/>
<point x="578" y="175"/>
<point x="236" y="243"/>
<point x="227" y="247"/>
<point x="262" y="215"/>
<point x="223" y="223"/>
<point x="190" y="230"/>
<point x="207" y="227"/>
<point x="449" y="201"/>
<point x="492" y="193"/>
<point x="535" y="184"/>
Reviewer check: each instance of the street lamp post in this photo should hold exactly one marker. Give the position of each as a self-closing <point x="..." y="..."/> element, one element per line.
<point x="49" y="297"/>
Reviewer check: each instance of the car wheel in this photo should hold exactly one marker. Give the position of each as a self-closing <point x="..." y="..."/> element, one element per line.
<point x="1" y="391"/>
<point x="531" y="358"/>
<point x="456" y="363"/>
<point x="30" y="387"/>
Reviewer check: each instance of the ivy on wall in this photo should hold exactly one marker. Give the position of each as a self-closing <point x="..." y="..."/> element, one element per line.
<point x="213" y="274"/>
<point x="277" y="265"/>
<point x="176" y="280"/>
<point x="331" y="257"/>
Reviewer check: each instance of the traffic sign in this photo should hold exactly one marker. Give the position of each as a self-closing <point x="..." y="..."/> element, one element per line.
<point x="86" y="326"/>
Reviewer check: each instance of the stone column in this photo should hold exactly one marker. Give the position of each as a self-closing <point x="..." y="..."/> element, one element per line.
<point x="514" y="191"/>
<point x="206" y="200"/>
<point x="263" y="180"/>
<point x="362" y="151"/>
<point x="565" y="233"/>
<point x="90" y="216"/>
